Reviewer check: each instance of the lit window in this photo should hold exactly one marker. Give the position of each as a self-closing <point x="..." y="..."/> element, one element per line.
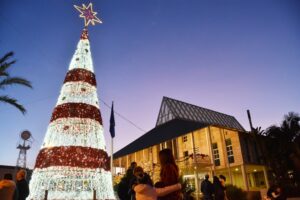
<point x="216" y="154"/>
<point x="229" y="151"/>
<point x="184" y="138"/>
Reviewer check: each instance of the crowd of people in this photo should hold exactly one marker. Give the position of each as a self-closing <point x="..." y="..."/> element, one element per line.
<point x="215" y="190"/>
<point x="10" y="190"/>
<point x="137" y="185"/>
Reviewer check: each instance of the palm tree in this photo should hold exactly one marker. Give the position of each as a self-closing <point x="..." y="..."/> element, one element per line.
<point x="283" y="145"/>
<point x="258" y="134"/>
<point x="6" y="80"/>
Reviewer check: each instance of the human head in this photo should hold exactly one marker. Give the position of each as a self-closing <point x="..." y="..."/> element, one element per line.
<point x="278" y="189"/>
<point x="133" y="165"/>
<point x="206" y="176"/>
<point x="222" y="177"/>
<point x="8" y="176"/>
<point x="166" y="157"/>
<point x="21" y="174"/>
<point x="138" y="171"/>
<point x="141" y="177"/>
<point x="216" y="179"/>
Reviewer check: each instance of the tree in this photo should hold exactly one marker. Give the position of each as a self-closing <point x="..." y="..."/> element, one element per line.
<point x="258" y="135"/>
<point x="283" y="147"/>
<point x="7" y="80"/>
<point x="72" y="162"/>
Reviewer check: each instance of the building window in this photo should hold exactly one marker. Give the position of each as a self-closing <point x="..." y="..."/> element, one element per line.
<point x="229" y="150"/>
<point x="184" y="138"/>
<point x="216" y="154"/>
<point x="186" y="153"/>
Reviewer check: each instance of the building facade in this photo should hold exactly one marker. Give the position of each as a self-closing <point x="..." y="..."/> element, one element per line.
<point x="203" y="142"/>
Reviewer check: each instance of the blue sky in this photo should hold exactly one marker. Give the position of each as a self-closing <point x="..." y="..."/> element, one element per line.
<point x="228" y="56"/>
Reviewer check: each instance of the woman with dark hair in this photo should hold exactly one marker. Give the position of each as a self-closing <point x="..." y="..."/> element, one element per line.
<point x="169" y="174"/>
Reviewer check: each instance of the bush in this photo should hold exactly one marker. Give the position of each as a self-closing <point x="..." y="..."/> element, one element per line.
<point x="235" y="193"/>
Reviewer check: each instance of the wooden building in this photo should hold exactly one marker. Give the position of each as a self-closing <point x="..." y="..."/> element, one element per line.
<point x="203" y="142"/>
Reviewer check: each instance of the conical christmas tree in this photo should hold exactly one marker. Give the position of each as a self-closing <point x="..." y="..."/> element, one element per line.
<point x="73" y="163"/>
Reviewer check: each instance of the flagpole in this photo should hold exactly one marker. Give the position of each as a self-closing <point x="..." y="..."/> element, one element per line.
<point x="112" y="156"/>
<point x="112" y="133"/>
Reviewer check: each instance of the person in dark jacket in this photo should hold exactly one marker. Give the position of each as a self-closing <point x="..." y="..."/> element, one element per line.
<point x="207" y="188"/>
<point x="275" y="192"/>
<point x="222" y="179"/>
<point x="219" y="189"/>
<point x="22" y="185"/>
<point x="281" y="193"/>
<point x="124" y="191"/>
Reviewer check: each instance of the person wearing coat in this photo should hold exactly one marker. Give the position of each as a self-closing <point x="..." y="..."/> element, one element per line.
<point x="219" y="189"/>
<point x="22" y="185"/>
<point x="207" y="188"/>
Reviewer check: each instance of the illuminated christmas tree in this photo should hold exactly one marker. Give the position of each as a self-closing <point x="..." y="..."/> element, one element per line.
<point x="73" y="163"/>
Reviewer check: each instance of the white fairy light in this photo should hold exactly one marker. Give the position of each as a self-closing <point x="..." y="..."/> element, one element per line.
<point x="72" y="161"/>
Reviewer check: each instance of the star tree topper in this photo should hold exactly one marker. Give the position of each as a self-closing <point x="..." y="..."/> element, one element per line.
<point x="88" y="14"/>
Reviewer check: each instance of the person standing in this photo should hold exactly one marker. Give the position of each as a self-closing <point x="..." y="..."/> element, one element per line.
<point x="275" y="193"/>
<point x="8" y="188"/>
<point x="124" y="188"/>
<point x="22" y="185"/>
<point x="280" y="193"/>
<point x="207" y="188"/>
<point x="219" y="189"/>
<point x="131" y="180"/>
<point x="169" y="174"/>
<point x="222" y="179"/>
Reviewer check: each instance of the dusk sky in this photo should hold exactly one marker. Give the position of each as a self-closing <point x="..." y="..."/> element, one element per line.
<point x="227" y="56"/>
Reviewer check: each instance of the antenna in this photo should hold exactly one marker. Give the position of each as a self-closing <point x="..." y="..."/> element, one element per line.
<point x="25" y="136"/>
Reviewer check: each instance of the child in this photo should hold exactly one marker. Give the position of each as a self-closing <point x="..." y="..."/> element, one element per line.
<point x="144" y="189"/>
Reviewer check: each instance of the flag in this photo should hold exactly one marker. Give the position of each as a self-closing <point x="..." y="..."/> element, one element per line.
<point x="112" y="122"/>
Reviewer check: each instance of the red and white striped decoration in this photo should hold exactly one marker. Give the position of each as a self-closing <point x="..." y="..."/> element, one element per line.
<point x="73" y="161"/>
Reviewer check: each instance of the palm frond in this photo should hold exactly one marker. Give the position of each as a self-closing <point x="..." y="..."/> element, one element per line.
<point x="14" y="102"/>
<point x="273" y="131"/>
<point x="6" y="56"/>
<point x="15" y="81"/>
<point x="4" y="73"/>
<point x="5" y="66"/>
<point x="258" y="131"/>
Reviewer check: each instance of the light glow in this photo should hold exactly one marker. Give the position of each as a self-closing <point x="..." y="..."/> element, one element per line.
<point x="73" y="162"/>
<point x="71" y="183"/>
<point x="75" y="132"/>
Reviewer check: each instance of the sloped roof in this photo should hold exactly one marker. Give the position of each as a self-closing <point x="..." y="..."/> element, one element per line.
<point x="162" y="133"/>
<point x="177" y="118"/>
<point x="174" y="109"/>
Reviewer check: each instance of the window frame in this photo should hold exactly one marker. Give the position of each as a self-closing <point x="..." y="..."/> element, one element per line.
<point x="229" y="150"/>
<point x="216" y="154"/>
